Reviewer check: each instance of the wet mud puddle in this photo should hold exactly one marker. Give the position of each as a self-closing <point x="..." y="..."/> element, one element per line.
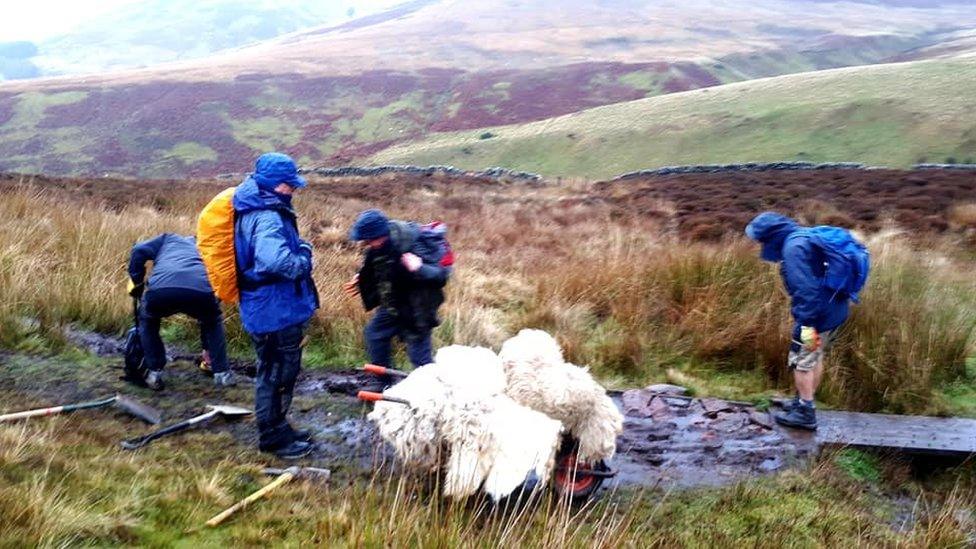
<point x="670" y="440"/>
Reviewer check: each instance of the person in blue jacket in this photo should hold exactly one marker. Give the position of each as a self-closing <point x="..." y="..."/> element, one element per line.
<point x="403" y="275"/>
<point x="178" y="285"/>
<point x="277" y="295"/>
<point x="816" y="309"/>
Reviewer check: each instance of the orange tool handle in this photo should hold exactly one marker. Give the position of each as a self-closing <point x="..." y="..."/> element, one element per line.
<point x="382" y="370"/>
<point x="370" y="396"/>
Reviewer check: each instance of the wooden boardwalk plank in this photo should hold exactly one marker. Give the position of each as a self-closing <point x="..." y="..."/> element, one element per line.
<point x="906" y="433"/>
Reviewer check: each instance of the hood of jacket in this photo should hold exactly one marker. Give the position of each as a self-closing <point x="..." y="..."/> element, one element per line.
<point x="771" y="229"/>
<point x="250" y="197"/>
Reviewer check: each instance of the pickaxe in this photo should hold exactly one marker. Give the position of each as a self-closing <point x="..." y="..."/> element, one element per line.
<point x="283" y="476"/>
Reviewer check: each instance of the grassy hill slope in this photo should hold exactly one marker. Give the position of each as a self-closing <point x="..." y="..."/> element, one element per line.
<point x="892" y="114"/>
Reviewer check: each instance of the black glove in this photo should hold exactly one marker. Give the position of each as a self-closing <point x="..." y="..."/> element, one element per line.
<point x="136" y="290"/>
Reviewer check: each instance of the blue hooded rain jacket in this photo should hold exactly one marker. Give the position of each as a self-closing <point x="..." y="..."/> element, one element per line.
<point x="802" y="266"/>
<point x="275" y="280"/>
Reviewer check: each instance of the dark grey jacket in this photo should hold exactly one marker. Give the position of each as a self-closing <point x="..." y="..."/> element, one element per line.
<point x="176" y="263"/>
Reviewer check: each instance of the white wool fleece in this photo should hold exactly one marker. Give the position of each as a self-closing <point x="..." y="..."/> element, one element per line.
<point x="459" y="420"/>
<point x="539" y="378"/>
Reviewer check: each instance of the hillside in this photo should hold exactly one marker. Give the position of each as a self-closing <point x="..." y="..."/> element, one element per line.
<point x="895" y="114"/>
<point x="338" y="94"/>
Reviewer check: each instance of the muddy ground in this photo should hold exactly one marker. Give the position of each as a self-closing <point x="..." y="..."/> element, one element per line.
<point x="668" y="440"/>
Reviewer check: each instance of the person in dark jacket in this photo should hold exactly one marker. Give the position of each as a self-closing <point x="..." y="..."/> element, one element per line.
<point x="817" y="310"/>
<point x="277" y="295"/>
<point x="403" y="276"/>
<point x="178" y="285"/>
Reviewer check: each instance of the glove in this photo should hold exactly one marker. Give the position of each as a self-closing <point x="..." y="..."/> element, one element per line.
<point x="306" y="248"/>
<point x="411" y="262"/>
<point x="352" y="287"/>
<point x="810" y="338"/>
<point x="135" y="290"/>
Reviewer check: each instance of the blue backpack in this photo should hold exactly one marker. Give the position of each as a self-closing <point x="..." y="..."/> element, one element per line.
<point x="848" y="261"/>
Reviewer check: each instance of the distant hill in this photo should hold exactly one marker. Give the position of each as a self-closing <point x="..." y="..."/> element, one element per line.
<point x="151" y="32"/>
<point x="893" y="115"/>
<point x="339" y="93"/>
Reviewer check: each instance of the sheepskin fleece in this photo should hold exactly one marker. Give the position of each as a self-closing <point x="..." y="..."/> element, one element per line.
<point x="538" y="377"/>
<point x="460" y="420"/>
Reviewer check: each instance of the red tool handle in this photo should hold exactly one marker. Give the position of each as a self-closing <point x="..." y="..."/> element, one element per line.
<point x="370" y="396"/>
<point x="382" y="370"/>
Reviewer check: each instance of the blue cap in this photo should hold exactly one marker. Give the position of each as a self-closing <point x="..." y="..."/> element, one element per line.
<point x="370" y="224"/>
<point x="274" y="168"/>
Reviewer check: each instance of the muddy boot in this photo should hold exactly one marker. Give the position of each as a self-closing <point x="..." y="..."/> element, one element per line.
<point x="154" y="380"/>
<point x="295" y="450"/>
<point x="303" y="435"/>
<point x="224" y="379"/>
<point x="801" y="416"/>
<point x="788" y="405"/>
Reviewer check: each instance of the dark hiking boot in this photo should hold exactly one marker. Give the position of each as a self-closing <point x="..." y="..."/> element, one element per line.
<point x="154" y="380"/>
<point x="224" y="379"/>
<point x="296" y="450"/>
<point x="303" y="435"/>
<point x="800" y="416"/>
<point x="788" y="405"/>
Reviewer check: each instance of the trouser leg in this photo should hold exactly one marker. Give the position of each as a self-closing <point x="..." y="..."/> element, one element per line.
<point x="273" y="430"/>
<point x="212" y="336"/>
<point x="419" y="347"/>
<point x="149" y="323"/>
<point x="379" y="334"/>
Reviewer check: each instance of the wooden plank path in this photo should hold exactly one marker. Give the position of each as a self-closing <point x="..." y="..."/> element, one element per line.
<point x="913" y="434"/>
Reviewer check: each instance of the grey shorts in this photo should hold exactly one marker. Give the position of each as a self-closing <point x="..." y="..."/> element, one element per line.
<point x="804" y="360"/>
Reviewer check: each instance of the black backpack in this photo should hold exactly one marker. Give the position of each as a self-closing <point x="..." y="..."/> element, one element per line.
<point x="134" y="369"/>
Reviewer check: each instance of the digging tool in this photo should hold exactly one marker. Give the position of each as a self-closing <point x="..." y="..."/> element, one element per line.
<point x="384" y="371"/>
<point x="283" y="476"/>
<point x="223" y="410"/>
<point x="128" y="405"/>
<point x="370" y="396"/>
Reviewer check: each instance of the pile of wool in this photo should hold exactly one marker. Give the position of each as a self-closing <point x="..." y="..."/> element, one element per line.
<point x="538" y="377"/>
<point x="460" y="420"/>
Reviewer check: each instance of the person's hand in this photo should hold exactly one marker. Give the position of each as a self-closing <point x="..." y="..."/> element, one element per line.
<point x="810" y="338"/>
<point x="352" y="287"/>
<point x="411" y="262"/>
<point x="135" y="290"/>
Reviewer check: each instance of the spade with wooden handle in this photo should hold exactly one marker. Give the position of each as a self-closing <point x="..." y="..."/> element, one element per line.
<point x="126" y="404"/>
<point x="223" y="410"/>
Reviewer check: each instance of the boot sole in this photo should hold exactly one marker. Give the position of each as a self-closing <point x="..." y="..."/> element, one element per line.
<point x="805" y="426"/>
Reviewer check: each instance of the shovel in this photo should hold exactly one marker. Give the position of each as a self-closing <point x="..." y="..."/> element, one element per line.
<point x="226" y="411"/>
<point x="128" y="405"/>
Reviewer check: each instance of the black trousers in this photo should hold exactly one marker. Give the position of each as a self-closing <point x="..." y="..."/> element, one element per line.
<point x="203" y="307"/>
<point x="279" y="362"/>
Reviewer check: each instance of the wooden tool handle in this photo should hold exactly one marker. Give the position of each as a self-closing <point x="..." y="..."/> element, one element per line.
<point x="250" y="499"/>
<point x="32" y="413"/>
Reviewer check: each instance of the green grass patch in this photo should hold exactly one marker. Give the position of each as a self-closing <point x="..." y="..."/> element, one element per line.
<point x="884" y="114"/>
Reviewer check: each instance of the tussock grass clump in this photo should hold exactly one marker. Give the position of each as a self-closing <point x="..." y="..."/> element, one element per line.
<point x="619" y="289"/>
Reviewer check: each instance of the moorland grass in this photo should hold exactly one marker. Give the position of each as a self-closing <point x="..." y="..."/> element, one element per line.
<point x="623" y="294"/>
